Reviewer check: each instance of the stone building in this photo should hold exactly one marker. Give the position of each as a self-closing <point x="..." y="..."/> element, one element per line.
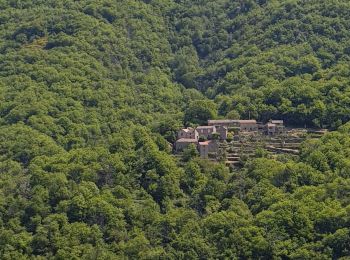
<point x="248" y="125"/>
<point x="242" y="125"/>
<point x="183" y="143"/>
<point x="206" y="131"/>
<point x="278" y="123"/>
<point x="224" y="122"/>
<point x="222" y="131"/>
<point x="270" y="129"/>
<point x="187" y="133"/>
<point x="274" y="127"/>
<point x="205" y="148"/>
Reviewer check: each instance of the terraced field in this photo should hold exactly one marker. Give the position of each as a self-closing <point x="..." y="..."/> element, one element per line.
<point x="246" y="147"/>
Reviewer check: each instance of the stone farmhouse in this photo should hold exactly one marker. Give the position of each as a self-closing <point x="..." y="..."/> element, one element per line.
<point x="224" y="122"/>
<point x="188" y="133"/>
<point x="241" y="125"/>
<point x="274" y="127"/>
<point x="206" y="131"/>
<point x="217" y="130"/>
<point x="248" y="125"/>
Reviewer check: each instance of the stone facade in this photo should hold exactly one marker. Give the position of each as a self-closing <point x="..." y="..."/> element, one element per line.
<point x="225" y="122"/>
<point x="270" y="129"/>
<point x="243" y="125"/>
<point x="206" y="131"/>
<point x="248" y="125"/>
<point x="275" y="127"/>
<point x="188" y="133"/>
<point x="222" y="131"/>
<point x="183" y="143"/>
<point x="205" y="148"/>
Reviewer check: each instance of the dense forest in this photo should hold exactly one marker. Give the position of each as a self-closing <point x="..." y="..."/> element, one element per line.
<point x="93" y="92"/>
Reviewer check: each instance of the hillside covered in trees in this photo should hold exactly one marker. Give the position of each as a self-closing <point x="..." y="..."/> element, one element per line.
<point x="93" y="92"/>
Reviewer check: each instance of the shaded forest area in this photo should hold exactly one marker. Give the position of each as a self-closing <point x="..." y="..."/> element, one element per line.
<point x="93" y="92"/>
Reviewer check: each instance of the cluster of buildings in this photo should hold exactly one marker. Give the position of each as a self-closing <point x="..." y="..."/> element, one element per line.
<point x="206" y="138"/>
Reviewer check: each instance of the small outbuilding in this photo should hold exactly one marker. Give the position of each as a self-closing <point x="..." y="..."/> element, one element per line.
<point x="270" y="129"/>
<point x="279" y="126"/>
<point x="205" y="148"/>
